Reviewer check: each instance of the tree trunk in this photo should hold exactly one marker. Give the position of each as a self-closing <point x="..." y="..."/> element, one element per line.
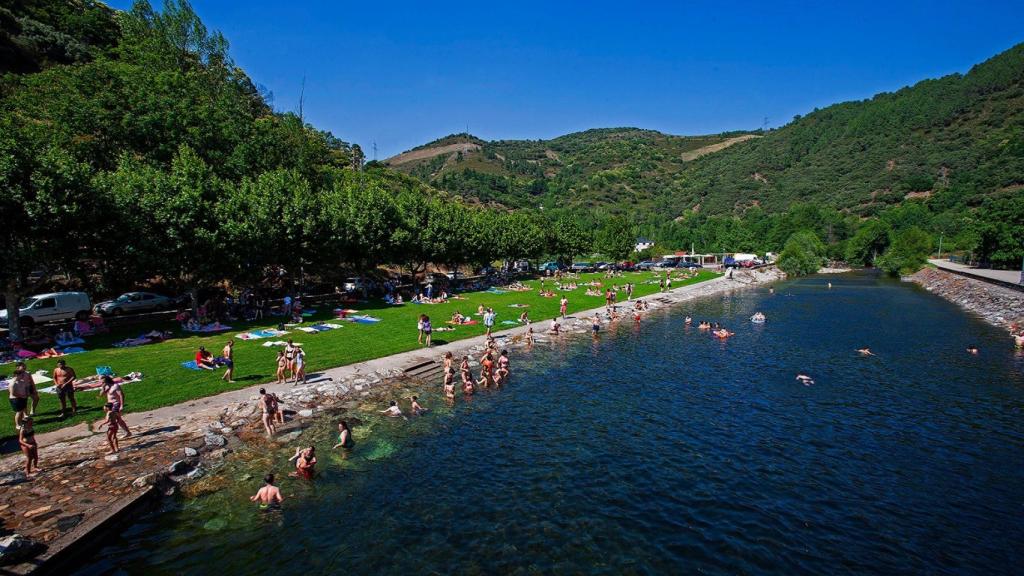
<point x="13" y="296"/>
<point x="194" y="295"/>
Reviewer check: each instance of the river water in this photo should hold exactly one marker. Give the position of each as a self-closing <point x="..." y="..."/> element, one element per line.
<point x="655" y="449"/>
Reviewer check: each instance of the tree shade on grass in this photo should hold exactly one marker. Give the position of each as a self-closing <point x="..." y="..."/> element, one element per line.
<point x="166" y="383"/>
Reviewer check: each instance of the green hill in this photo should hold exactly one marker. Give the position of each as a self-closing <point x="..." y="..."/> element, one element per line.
<point x="613" y="168"/>
<point x="960" y="135"/>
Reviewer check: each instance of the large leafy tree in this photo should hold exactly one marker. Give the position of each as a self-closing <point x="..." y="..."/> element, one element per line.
<point x="908" y="251"/>
<point x="616" y="238"/>
<point x="804" y="253"/>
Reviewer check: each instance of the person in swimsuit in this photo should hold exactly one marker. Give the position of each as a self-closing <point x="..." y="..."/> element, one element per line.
<point x="115" y="396"/>
<point x="289" y="355"/>
<point x="415" y="408"/>
<point x="688" y="321"/>
<point x="449" y="384"/>
<point x="110" y="421"/>
<point x="972" y="350"/>
<point x="486" y="370"/>
<point x="282" y="365"/>
<point x="344" y="437"/>
<point x="529" y="336"/>
<point x="300" y="365"/>
<point x="502" y="374"/>
<point x="555" y="326"/>
<point x="267" y="405"/>
<point x="805" y="379"/>
<point x="427" y="329"/>
<point x="393" y="411"/>
<point x="29" y="447"/>
<point x="305" y="460"/>
<point x="448" y="360"/>
<point x="228" y="359"/>
<point x="419" y="328"/>
<point x="563" y="306"/>
<point x="64" y="379"/>
<point x="595" y="324"/>
<point x="19" y="389"/>
<point x="269" y="494"/>
<point x="865" y="351"/>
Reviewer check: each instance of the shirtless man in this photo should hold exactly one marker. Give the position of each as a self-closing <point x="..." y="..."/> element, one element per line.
<point x="595" y="324"/>
<point x="228" y="353"/>
<point x="268" y="405"/>
<point x="269" y="494"/>
<point x="805" y="379"/>
<point x="20" y="389"/>
<point x="415" y="408"/>
<point x="64" y="378"/>
<point x="865" y="351"/>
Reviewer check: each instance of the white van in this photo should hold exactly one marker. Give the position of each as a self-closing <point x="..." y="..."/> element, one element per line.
<point x="52" y="307"/>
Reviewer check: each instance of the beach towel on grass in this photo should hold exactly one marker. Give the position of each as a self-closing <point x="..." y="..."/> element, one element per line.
<point x="191" y="365"/>
<point x="518" y="305"/>
<point x="494" y="290"/>
<point x="96" y="382"/>
<point x="209" y="328"/>
<point x="509" y="322"/>
<point x="365" y="319"/>
<point x="469" y="323"/>
<point x="279" y="343"/>
<point x="69" y="342"/>
<point x="308" y="329"/>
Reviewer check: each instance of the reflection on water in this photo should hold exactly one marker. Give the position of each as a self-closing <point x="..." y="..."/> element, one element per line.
<point x="657" y="449"/>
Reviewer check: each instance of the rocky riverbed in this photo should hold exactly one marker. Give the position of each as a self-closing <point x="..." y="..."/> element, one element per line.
<point x="1000" y="306"/>
<point x="180" y="448"/>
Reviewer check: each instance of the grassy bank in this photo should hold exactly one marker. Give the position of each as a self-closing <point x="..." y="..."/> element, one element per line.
<point x="165" y="382"/>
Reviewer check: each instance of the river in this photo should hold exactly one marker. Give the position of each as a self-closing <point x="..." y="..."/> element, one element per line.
<point x="656" y="449"/>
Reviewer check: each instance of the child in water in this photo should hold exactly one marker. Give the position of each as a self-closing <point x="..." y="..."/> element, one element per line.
<point x="269" y="494"/>
<point x="415" y="408"/>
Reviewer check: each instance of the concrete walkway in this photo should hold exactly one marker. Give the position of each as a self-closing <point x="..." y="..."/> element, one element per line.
<point x="1007" y="276"/>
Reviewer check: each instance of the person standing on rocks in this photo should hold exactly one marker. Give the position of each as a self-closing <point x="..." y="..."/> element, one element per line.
<point x="563" y="307"/>
<point x="267" y="404"/>
<point x="64" y="377"/>
<point x="110" y="421"/>
<point x="115" y="397"/>
<point x="19" y="390"/>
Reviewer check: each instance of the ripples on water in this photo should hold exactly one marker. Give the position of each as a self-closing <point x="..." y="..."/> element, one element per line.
<point x="662" y="450"/>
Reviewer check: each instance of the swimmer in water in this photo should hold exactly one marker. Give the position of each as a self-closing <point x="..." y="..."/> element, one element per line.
<point x="865" y="351"/>
<point x="829" y="285"/>
<point x="344" y="437"/>
<point x="305" y="460"/>
<point x="415" y="408"/>
<point x="393" y="411"/>
<point x="269" y="494"/>
<point x="595" y="324"/>
<point x="529" y="336"/>
<point x="972" y="350"/>
<point x="688" y="321"/>
<point x="805" y="379"/>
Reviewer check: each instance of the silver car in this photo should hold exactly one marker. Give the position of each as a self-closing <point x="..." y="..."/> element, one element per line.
<point x="135" y="303"/>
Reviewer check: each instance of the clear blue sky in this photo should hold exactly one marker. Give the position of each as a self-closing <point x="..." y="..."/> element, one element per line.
<point x="400" y="74"/>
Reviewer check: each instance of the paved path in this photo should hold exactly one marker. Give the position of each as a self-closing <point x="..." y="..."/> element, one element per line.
<point x="1009" y="276"/>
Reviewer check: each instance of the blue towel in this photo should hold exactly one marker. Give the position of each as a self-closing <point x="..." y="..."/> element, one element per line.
<point x="494" y="290"/>
<point x="190" y="365"/>
<point x="73" y="350"/>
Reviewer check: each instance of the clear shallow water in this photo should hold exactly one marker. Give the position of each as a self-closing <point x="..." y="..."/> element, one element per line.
<point x="661" y="450"/>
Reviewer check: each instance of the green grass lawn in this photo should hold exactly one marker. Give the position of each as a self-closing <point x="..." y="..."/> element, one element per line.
<point x="165" y="382"/>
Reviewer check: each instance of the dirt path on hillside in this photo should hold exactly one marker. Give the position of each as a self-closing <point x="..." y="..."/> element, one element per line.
<point x="425" y="153"/>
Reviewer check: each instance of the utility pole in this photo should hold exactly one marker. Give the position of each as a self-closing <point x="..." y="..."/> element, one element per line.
<point x="374" y="150"/>
<point x="940" y="245"/>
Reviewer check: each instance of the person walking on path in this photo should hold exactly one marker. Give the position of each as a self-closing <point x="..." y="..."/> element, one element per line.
<point x="489" y="320"/>
<point x="115" y="398"/>
<point x="228" y="355"/>
<point x="64" y="378"/>
<point x="19" y="390"/>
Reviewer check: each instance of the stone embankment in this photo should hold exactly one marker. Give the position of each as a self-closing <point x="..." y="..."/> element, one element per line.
<point x="1000" y="306"/>
<point x="50" y="518"/>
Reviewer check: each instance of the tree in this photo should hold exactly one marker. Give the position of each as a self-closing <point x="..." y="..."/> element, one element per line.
<point x="908" y="251"/>
<point x="803" y="254"/>
<point x="871" y="239"/>
<point x="1001" y="232"/>
<point x="518" y="236"/>
<point x="616" y="238"/>
<point x="568" y="238"/>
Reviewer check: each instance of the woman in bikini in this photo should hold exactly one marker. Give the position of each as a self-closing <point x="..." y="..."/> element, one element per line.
<point x="487" y="370"/>
<point x="282" y="365"/>
<point x="501" y="376"/>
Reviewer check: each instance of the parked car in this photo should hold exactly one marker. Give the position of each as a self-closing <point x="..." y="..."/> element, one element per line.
<point x="551" y="267"/>
<point x="135" y="303"/>
<point x="730" y="262"/>
<point x="354" y="285"/>
<point x="602" y="266"/>
<point x="626" y="265"/>
<point x="582" y="267"/>
<point x="521" y="266"/>
<point x="52" y="307"/>
<point x="686" y="264"/>
<point x="646" y="265"/>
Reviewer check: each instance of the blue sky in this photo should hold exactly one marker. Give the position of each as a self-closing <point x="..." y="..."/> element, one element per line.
<point x="400" y="74"/>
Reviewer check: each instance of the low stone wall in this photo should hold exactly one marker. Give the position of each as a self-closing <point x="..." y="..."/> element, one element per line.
<point x="1000" y="306"/>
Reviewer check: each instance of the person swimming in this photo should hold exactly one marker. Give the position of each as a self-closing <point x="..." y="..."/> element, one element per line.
<point x="972" y="350"/>
<point x="688" y="321"/>
<point x="758" y="317"/>
<point x="805" y="379"/>
<point x="865" y="351"/>
<point x="393" y="411"/>
<point x="269" y="495"/>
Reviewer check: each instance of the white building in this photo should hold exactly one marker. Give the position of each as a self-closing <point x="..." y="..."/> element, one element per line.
<point x="643" y="244"/>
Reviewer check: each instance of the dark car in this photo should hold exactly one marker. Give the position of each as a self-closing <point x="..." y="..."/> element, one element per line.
<point x="646" y="265"/>
<point x="730" y="262"/>
<point x="690" y="265"/>
<point x="626" y="265"/>
<point x="582" y="267"/>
